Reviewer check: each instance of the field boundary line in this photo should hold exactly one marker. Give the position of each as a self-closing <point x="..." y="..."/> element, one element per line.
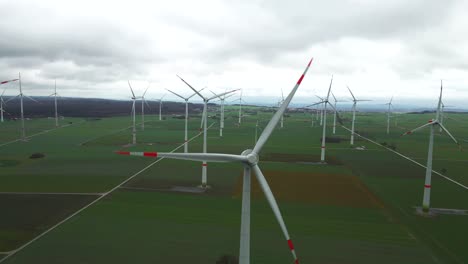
<point x="13" y="252"/>
<point x="51" y="193"/>
<point x="408" y="158"/>
<point x="40" y="133"/>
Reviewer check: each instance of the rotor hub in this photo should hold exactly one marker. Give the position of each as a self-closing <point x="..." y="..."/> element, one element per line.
<point x="252" y="157"/>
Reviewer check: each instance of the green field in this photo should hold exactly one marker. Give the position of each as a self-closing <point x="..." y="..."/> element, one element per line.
<point x="359" y="208"/>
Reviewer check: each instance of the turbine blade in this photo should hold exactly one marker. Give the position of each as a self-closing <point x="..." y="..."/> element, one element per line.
<point x="3" y="82"/>
<point x="329" y="88"/>
<point x="219" y="95"/>
<point x="12" y="98"/>
<point x="274" y="207"/>
<point x="147" y="103"/>
<point x="448" y="133"/>
<point x="196" y="93"/>
<point x="277" y="116"/>
<point x="334" y="98"/>
<point x="178" y="95"/>
<point x="440" y="102"/>
<point x="146" y="90"/>
<point x="315" y="104"/>
<point x="131" y="89"/>
<point x="211" y="157"/>
<point x="282" y="95"/>
<point x="430" y="123"/>
<point x="354" y="98"/>
<point x="31" y="99"/>
<point x="199" y="94"/>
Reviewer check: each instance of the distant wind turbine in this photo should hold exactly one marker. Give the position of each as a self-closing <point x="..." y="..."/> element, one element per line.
<point x="143" y="102"/>
<point x="354" y="114"/>
<point x="55" y="103"/>
<point x="186" y="116"/>
<point x="205" y="120"/>
<point x="133" y="114"/>
<point x="21" y="95"/>
<point x="390" y="106"/>
<point x="432" y="124"/>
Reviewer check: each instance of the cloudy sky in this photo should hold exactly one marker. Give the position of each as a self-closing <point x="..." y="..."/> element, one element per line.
<point x="378" y="48"/>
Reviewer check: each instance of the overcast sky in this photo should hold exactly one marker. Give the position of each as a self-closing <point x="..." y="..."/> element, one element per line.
<point x="378" y="48"/>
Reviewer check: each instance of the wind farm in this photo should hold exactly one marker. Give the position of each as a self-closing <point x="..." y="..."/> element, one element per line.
<point x="107" y="115"/>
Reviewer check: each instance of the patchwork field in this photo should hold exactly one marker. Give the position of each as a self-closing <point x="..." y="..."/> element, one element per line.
<point x="357" y="208"/>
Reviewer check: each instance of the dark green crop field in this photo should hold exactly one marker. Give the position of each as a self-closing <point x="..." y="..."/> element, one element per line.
<point x="357" y="208"/>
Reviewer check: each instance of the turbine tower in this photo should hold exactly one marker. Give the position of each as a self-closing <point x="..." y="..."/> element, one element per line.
<point x="160" y="107"/>
<point x="335" y="112"/>
<point x="143" y="102"/>
<point x="55" y="103"/>
<point x="21" y="95"/>
<point x="221" y="110"/>
<point x="186" y="116"/>
<point x="388" y="114"/>
<point x="249" y="160"/>
<point x="204" y="119"/>
<point x="432" y="124"/>
<point x="133" y="114"/>
<point x="354" y="114"/>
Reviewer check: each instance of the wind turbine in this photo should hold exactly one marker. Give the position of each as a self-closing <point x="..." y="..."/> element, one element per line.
<point x="240" y="106"/>
<point x="133" y="114"/>
<point x="2" y="102"/>
<point x="186" y="116"/>
<point x="335" y="112"/>
<point x="388" y="114"/>
<point x="143" y="102"/>
<point x="354" y="114"/>
<point x="160" y="106"/>
<point x="55" y="104"/>
<point x="21" y="95"/>
<point x="324" y="131"/>
<point x="432" y="123"/>
<point x="205" y="121"/>
<point x="249" y="159"/>
<point x="221" y="110"/>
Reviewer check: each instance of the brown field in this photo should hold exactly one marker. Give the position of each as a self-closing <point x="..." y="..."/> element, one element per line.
<point x="315" y="188"/>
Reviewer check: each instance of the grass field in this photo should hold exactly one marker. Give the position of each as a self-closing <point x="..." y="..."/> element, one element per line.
<point x="358" y="208"/>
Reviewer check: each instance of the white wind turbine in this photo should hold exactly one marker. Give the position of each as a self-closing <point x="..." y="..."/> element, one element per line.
<point x="205" y="121"/>
<point x="249" y="159"/>
<point x="354" y="114"/>
<point x="55" y="104"/>
<point x="133" y="114"/>
<point x="221" y="110"/>
<point x="388" y="114"/>
<point x="240" y="106"/>
<point x="21" y="95"/>
<point x="2" y="102"/>
<point x="432" y="123"/>
<point x="324" y="131"/>
<point x="186" y="116"/>
<point x="160" y="106"/>
<point x="335" y="112"/>
<point x="143" y="102"/>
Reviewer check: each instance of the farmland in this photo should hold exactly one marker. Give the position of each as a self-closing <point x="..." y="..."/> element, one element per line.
<point x="358" y="208"/>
